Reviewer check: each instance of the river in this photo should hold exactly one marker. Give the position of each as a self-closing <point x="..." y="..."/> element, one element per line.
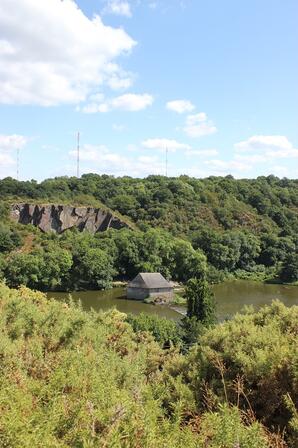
<point x="231" y="296"/>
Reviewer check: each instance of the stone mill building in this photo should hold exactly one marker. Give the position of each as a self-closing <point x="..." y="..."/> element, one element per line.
<point x="146" y="285"/>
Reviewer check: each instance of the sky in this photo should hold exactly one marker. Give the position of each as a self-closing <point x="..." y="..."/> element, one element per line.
<point x="212" y="83"/>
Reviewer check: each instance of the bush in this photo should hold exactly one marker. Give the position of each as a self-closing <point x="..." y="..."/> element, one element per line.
<point x="75" y="379"/>
<point x="164" y="331"/>
<point x="251" y="361"/>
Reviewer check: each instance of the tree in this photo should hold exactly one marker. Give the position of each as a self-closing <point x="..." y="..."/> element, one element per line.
<point x="187" y="262"/>
<point x="93" y="270"/>
<point x="289" y="270"/>
<point x="9" y="239"/>
<point x="23" y="269"/>
<point x="200" y="301"/>
<point x="200" y="310"/>
<point x="55" y="269"/>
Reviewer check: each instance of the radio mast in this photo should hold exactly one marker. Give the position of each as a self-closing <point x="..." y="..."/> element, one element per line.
<point x="78" y="155"/>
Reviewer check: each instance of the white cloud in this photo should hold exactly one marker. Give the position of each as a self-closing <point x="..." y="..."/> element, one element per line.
<point x="202" y="152"/>
<point x="116" y="82"/>
<point x="105" y="161"/>
<point x="199" y="125"/>
<point x="132" y="102"/>
<point x="280" y="171"/>
<point x="6" y="160"/>
<point x="128" y="102"/>
<point x="226" y="167"/>
<point x="93" y="108"/>
<point x="180" y="106"/>
<point x="251" y="158"/>
<point x="251" y="155"/>
<point x="264" y="142"/>
<point x="117" y="78"/>
<point x="51" y="53"/>
<point x="12" y="142"/>
<point x="164" y="143"/>
<point x="8" y="147"/>
<point x="118" y="7"/>
<point x="270" y="147"/>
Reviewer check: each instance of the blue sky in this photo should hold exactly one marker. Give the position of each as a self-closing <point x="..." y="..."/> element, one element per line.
<point x="213" y="82"/>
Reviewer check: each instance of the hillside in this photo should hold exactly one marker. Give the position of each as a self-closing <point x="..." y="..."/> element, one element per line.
<point x="181" y="227"/>
<point x="181" y="205"/>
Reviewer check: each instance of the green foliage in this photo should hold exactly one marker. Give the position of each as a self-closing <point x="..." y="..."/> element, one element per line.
<point x="55" y="268"/>
<point x="289" y="270"/>
<point x="217" y="226"/>
<point x="200" y="301"/>
<point x="76" y="379"/>
<point x="77" y="260"/>
<point x="200" y="310"/>
<point x="23" y="269"/>
<point x="9" y="239"/>
<point x="41" y="269"/>
<point x="94" y="269"/>
<point x="251" y="361"/>
<point x="224" y="428"/>
<point x="164" y="331"/>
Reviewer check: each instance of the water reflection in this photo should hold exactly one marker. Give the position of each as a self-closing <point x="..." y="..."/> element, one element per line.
<point x="230" y="297"/>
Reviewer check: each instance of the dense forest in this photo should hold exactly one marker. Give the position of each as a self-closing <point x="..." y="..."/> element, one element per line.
<point x="71" y="378"/>
<point x="182" y="227"/>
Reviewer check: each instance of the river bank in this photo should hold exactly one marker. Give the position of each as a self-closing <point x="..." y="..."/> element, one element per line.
<point x="231" y="296"/>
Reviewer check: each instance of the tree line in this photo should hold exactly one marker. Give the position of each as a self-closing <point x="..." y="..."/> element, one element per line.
<point x="247" y="228"/>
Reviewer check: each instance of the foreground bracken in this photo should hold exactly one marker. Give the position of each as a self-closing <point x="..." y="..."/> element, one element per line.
<point x="76" y="379"/>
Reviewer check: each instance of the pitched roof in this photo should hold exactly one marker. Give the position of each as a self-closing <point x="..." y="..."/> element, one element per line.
<point x="149" y="280"/>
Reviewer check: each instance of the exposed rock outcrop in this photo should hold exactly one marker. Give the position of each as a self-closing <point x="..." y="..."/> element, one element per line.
<point x="58" y="218"/>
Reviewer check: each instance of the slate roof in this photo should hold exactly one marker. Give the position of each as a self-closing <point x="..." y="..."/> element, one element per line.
<point x="149" y="280"/>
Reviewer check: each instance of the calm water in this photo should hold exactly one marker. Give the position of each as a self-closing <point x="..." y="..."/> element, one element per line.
<point x="230" y="297"/>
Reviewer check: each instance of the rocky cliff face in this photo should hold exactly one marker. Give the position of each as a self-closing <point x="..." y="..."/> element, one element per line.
<point x="58" y="218"/>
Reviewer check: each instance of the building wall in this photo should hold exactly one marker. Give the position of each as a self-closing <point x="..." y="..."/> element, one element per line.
<point x="143" y="293"/>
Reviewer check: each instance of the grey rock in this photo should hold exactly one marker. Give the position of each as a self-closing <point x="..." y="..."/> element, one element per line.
<point x="58" y="218"/>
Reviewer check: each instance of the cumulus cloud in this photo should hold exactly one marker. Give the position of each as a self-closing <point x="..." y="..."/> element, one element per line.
<point x="263" y="148"/>
<point x="202" y="152"/>
<point x="51" y="53"/>
<point x="118" y="7"/>
<point x="256" y="153"/>
<point x="12" y="142"/>
<point x="226" y="167"/>
<point x="105" y="161"/>
<point x="8" y="146"/>
<point x="117" y="82"/>
<point x="6" y="160"/>
<point x="131" y="102"/>
<point x="164" y="143"/>
<point x="198" y="125"/>
<point x="180" y="106"/>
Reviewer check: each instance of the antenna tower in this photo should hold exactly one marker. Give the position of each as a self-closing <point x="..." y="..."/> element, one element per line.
<point x="78" y="155"/>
